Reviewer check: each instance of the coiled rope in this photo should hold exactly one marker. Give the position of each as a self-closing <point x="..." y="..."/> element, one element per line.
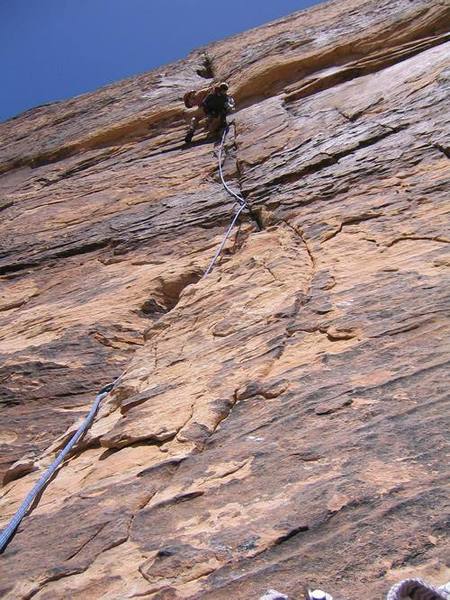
<point x="239" y="199"/>
<point x="416" y="589"/>
<point x="8" y="532"/>
<point x="413" y="589"/>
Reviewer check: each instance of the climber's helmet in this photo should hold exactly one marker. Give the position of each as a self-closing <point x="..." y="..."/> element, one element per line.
<point x="222" y="88"/>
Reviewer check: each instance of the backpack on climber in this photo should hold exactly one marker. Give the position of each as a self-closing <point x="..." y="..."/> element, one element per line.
<point x="212" y="102"/>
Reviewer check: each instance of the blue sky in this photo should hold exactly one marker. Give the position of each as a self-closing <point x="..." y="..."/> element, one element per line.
<point x="56" y="49"/>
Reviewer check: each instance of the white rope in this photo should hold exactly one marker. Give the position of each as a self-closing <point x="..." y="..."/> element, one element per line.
<point x="273" y="595"/>
<point x="417" y="589"/>
<point x="40" y="485"/>
<point x="243" y="204"/>
<point x="8" y="531"/>
<point x="407" y="589"/>
<point x="222" y="244"/>
<point x="238" y="197"/>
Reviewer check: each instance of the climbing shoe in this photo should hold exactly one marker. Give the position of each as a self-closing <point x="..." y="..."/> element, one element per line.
<point x="188" y="137"/>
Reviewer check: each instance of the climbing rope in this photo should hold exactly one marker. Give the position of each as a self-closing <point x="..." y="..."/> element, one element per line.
<point x="8" y="532"/>
<point x="414" y="589"/>
<point x="408" y="588"/>
<point x="222" y="244"/>
<point x="239" y="199"/>
<point x="418" y="590"/>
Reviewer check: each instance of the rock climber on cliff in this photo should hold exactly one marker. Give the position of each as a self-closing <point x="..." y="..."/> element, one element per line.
<point x="212" y="102"/>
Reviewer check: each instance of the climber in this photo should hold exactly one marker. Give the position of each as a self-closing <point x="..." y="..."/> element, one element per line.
<point x="214" y="103"/>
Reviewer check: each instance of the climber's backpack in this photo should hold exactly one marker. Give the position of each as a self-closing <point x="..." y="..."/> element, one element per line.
<point x="195" y="97"/>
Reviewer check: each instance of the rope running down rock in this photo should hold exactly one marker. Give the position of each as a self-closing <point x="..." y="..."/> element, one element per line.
<point x="416" y="589"/>
<point x="8" y="532"/>
<point x="239" y="199"/>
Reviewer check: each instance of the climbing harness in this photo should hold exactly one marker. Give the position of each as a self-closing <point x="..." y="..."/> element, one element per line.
<point x="239" y="200"/>
<point x="8" y="532"/>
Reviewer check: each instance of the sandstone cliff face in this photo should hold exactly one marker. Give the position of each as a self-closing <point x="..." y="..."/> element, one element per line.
<point x="281" y="422"/>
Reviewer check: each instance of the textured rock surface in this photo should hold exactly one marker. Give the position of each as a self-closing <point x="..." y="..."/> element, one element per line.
<point x="281" y="422"/>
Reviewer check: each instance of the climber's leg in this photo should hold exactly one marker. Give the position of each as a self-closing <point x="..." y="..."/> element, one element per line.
<point x="193" y="125"/>
<point x="216" y="125"/>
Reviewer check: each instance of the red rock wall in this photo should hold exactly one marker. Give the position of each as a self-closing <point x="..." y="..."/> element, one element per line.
<point x="282" y="421"/>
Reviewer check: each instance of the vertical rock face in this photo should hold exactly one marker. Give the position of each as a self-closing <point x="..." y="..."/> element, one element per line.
<point x="280" y="422"/>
